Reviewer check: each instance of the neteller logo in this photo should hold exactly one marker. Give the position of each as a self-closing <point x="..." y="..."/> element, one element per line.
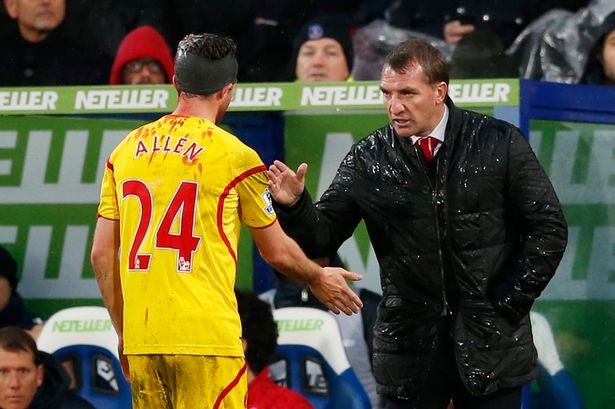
<point x="28" y="100"/>
<point x="480" y="93"/>
<point x="121" y="99"/>
<point x="82" y="326"/>
<point x="300" y="325"/>
<point x="341" y="95"/>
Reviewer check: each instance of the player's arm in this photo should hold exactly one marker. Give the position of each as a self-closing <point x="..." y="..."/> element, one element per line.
<point x="105" y="262"/>
<point x="328" y="284"/>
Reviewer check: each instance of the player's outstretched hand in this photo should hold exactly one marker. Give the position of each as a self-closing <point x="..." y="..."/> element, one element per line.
<point x="333" y="291"/>
<point x="285" y="184"/>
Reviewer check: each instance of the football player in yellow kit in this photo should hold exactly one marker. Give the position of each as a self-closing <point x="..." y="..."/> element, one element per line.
<point x="173" y="197"/>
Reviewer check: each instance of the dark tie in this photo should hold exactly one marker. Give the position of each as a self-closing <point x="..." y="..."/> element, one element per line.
<point x="428" y="145"/>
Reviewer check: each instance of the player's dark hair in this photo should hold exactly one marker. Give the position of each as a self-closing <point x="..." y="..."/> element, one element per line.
<point x="205" y="63"/>
<point x="207" y="45"/>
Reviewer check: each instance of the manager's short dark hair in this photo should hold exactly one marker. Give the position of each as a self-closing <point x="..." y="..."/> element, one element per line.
<point x="419" y="52"/>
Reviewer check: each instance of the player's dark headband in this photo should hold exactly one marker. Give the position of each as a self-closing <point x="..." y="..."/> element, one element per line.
<point x="201" y="76"/>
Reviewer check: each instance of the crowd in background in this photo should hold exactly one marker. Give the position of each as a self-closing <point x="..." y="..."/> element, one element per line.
<point x="77" y="42"/>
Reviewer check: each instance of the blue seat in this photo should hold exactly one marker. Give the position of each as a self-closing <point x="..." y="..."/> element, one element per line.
<point x="554" y="389"/>
<point x="310" y="359"/>
<point x="84" y="341"/>
<point x="97" y="375"/>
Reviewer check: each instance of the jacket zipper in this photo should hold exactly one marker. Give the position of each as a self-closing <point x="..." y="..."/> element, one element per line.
<point x="434" y="201"/>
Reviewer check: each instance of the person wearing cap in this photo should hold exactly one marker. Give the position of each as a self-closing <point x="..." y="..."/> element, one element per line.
<point x="13" y="311"/>
<point x="173" y="196"/>
<point x="322" y="50"/>
<point x="143" y="57"/>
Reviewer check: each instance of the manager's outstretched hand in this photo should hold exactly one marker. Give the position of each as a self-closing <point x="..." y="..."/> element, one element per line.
<point x="333" y="291"/>
<point x="286" y="185"/>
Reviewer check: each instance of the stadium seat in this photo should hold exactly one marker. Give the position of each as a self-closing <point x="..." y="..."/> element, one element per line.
<point x="310" y="359"/>
<point x="555" y="388"/>
<point x="84" y="341"/>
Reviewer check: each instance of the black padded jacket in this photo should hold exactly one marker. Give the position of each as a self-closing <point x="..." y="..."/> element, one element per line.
<point x="479" y="239"/>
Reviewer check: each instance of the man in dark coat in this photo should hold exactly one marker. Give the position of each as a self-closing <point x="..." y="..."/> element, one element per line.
<point x="37" y="49"/>
<point x="467" y="229"/>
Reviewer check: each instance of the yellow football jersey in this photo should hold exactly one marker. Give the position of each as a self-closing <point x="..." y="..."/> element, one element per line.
<point x="180" y="188"/>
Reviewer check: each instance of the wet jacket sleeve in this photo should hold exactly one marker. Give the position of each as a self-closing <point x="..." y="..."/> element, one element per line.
<point x="534" y="207"/>
<point x="322" y="227"/>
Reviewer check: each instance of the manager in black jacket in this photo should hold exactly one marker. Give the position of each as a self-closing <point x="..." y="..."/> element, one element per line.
<point x="467" y="235"/>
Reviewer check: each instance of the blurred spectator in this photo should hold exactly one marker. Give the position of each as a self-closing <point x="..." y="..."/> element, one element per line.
<point x="555" y="46"/>
<point x="182" y="17"/>
<point x="480" y="54"/>
<point x="373" y="42"/>
<point x="259" y="335"/>
<point x="322" y="50"/>
<point x="551" y="47"/>
<point x="600" y="65"/>
<point x="263" y="29"/>
<point x="13" y="312"/>
<point x="368" y="11"/>
<point x="266" y="45"/>
<point x="31" y="379"/>
<point x="103" y="24"/>
<point x="143" y="57"/>
<point x="452" y="19"/>
<point x="270" y="34"/>
<point x="37" y="50"/>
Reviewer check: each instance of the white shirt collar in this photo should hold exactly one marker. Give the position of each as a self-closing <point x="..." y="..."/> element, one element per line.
<point x="439" y="130"/>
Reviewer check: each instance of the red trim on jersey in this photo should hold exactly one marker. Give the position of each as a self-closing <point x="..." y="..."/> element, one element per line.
<point x="230" y="386"/>
<point x="264" y="227"/>
<point x="223" y="196"/>
<point x="109" y="165"/>
<point x="100" y="215"/>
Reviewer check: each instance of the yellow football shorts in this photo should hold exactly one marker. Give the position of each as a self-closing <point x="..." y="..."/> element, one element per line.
<point x="188" y="382"/>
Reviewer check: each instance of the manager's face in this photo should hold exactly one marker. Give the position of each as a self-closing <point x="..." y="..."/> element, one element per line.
<point x="413" y="104"/>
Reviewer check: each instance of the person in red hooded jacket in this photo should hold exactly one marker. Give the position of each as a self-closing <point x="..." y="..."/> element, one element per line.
<point x="259" y="336"/>
<point x="143" y="57"/>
